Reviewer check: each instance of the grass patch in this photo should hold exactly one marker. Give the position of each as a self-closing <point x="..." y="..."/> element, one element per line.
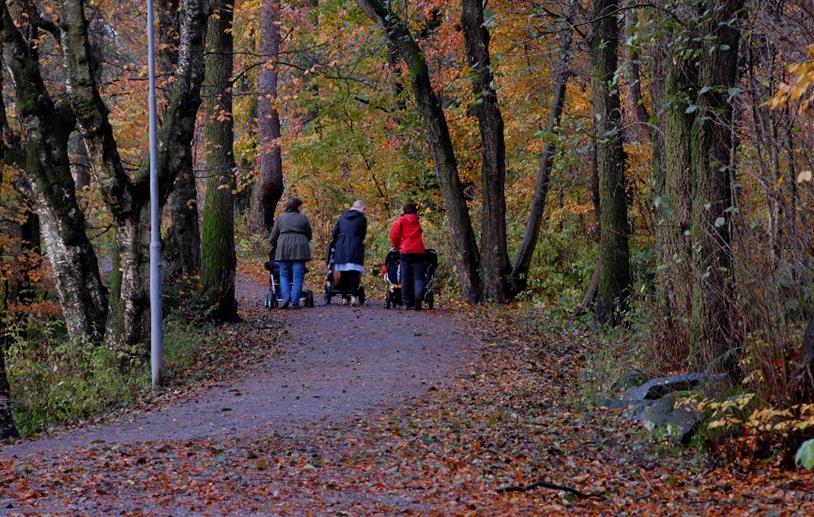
<point x="55" y="380"/>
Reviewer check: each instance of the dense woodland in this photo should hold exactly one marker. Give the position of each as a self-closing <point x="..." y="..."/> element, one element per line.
<point x="639" y="171"/>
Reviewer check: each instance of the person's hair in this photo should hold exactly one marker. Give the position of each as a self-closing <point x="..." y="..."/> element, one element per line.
<point x="293" y="204"/>
<point x="359" y="206"/>
<point x="410" y="208"/>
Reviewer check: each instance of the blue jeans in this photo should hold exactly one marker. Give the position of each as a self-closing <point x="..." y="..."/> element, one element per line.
<point x="291" y="288"/>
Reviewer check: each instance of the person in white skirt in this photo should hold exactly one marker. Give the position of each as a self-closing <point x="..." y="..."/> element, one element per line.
<point x="348" y="242"/>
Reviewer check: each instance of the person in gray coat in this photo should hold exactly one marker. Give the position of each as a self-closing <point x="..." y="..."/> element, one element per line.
<point x="291" y="240"/>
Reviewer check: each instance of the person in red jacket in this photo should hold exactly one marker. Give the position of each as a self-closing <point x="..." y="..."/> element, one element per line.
<point x="406" y="237"/>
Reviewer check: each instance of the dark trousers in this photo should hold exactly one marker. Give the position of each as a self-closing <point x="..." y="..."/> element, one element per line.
<point x="413" y="278"/>
<point x="351" y="280"/>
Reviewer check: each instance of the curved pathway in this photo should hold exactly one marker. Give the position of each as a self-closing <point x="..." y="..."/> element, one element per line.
<point x="339" y="363"/>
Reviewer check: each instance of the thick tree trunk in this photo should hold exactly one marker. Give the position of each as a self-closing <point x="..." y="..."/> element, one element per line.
<point x="270" y="185"/>
<point x="218" y="239"/>
<point x="712" y="328"/>
<point x="128" y="199"/>
<point x="522" y="260"/>
<point x="446" y="165"/>
<point x="614" y="281"/>
<point x="675" y="203"/>
<point x="82" y="296"/>
<point x="494" y="254"/>
<point x="182" y="247"/>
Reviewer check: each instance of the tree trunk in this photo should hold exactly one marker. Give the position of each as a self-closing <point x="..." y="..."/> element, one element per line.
<point x="522" y="261"/>
<point x="128" y="199"/>
<point x="712" y="328"/>
<point x="76" y="273"/>
<point x="494" y="254"/>
<point x="676" y="202"/>
<point x="446" y="165"/>
<point x="270" y="187"/>
<point x="182" y="247"/>
<point x="7" y="428"/>
<point x="218" y="239"/>
<point x="614" y="281"/>
<point x="633" y="68"/>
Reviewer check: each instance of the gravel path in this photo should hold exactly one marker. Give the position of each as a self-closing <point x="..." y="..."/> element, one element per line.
<point x="341" y="363"/>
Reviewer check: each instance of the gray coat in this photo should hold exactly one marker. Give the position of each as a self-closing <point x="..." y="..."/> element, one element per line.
<point x="291" y="236"/>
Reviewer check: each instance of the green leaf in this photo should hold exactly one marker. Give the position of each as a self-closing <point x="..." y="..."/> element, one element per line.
<point x="692" y="108"/>
<point x="805" y="455"/>
<point x="720" y="222"/>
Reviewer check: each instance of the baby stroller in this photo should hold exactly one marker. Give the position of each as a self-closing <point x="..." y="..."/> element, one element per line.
<point x="392" y="277"/>
<point x="272" y="299"/>
<point x="391" y="273"/>
<point x="340" y="288"/>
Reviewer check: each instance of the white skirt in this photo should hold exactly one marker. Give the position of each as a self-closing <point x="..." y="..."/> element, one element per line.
<point x="349" y="267"/>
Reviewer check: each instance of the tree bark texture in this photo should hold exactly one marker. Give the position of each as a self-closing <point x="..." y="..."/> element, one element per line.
<point x="675" y="204"/>
<point x="182" y="246"/>
<point x="525" y="253"/>
<point x="47" y="127"/>
<point x="712" y="328"/>
<point x="633" y="68"/>
<point x="270" y="187"/>
<point x="218" y="238"/>
<point x="127" y="198"/>
<point x="494" y="254"/>
<point x="446" y="165"/>
<point x="614" y="281"/>
<point x="7" y="428"/>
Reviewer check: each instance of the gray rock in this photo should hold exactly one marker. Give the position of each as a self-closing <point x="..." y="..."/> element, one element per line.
<point x="661" y="386"/>
<point x="628" y="379"/>
<point x="679" y="423"/>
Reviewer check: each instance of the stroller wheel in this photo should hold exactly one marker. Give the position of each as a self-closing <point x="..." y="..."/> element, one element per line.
<point x="362" y="295"/>
<point x="430" y="300"/>
<point x="309" y="299"/>
<point x="387" y="304"/>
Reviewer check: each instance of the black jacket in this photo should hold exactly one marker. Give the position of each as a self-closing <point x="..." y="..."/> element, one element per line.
<point x="349" y="238"/>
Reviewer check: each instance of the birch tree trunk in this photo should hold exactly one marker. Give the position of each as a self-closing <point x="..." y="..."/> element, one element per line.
<point x="614" y="280"/>
<point x="76" y="273"/>
<point x="218" y="238"/>
<point x="446" y="165"/>
<point x="182" y="247"/>
<point x="128" y="198"/>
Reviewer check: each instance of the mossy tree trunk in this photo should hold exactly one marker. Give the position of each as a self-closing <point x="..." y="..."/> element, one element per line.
<point x="218" y="235"/>
<point x="614" y="280"/>
<point x="446" y="165"/>
<point x="494" y="254"/>
<point x="712" y="328"/>
<point x="127" y="198"/>
<point x="522" y="260"/>
<point x="182" y="246"/>
<point x="47" y="127"/>
<point x="675" y="204"/>
<point x="270" y="186"/>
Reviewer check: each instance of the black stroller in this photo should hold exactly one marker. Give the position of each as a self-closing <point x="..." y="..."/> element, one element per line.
<point x="272" y="299"/>
<point x="339" y="288"/>
<point x="392" y="277"/>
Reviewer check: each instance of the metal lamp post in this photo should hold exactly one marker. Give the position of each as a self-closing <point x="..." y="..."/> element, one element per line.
<point x="156" y="313"/>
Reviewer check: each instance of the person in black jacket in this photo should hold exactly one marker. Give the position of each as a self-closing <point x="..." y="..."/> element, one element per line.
<point x="348" y="242"/>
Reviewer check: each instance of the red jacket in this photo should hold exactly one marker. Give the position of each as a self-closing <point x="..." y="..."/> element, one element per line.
<point x="406" y="234"/>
